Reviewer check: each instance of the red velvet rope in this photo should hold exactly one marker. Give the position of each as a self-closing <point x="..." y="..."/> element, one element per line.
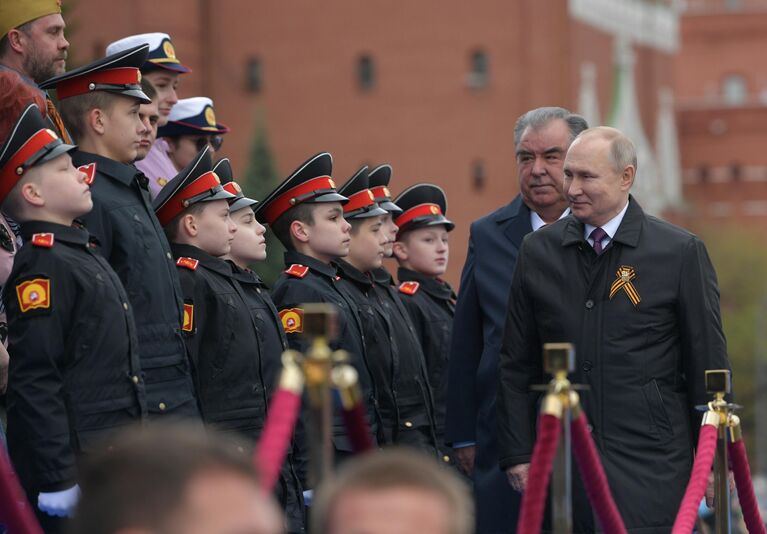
<point x="15" y="512"/>
<point x="696" y="487"/>
<point x="357" y="428"/>
<point x="275" y="439"/>
<point x="594" y="478"/>
<point x="534" y="497"/>
<point x="739" y="461"/>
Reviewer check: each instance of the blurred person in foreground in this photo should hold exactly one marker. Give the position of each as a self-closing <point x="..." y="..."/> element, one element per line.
<point x="173" y="480"/>
<point x="394" y="491"/>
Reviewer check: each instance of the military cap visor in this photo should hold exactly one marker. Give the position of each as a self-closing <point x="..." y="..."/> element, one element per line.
<point x="29" y="143"/>
<point x="117" y="74"/>
<point x="309" y="184"/>
<point x="224" y="171"/>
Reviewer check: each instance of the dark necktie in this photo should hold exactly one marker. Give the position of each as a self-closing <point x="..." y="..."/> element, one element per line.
<point x="598" y="235"/>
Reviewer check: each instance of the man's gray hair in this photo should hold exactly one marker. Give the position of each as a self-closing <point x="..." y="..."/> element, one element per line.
<point x="540" y="117"/>
<point x="622" y="150"/>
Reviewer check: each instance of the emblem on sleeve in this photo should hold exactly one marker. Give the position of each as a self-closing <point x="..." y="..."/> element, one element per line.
<point x="624" y="278"/>
<point x="292" y="320"/>
<point x="34" y="294"/>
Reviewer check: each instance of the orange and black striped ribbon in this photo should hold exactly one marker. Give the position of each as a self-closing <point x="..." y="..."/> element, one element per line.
<point x="53" y="114"/>
<point x="625" y="274"/>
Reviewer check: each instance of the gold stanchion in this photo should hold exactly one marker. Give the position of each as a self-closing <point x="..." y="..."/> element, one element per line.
<point x="718" y="384"/>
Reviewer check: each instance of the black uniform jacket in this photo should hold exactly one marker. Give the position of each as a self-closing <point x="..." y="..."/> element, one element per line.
<point x="431" y="305"/>
<point x="134" y="243"/>
<point x="319" y="283"/>
<point x="642" y="352"/>
<point x="417" y="425"/>
<point x="74" y="369"/>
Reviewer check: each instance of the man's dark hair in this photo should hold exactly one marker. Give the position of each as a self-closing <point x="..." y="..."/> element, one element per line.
<point x="74" y="110"/>
<point x="540" y="117"/>
<point x="281" y="227"/>
<point x="171" y="229"/>
<point x="141" y="482"/>
<point x="5" y="45"/>
<point x="148" y="89"/>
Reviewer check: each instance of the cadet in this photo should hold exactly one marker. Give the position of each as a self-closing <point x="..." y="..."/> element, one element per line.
<point x="249" y="246"/>
<point x="378" y="179"/>
<point x="393" y="352"/>
<point x="100" y="104"/>
<point x="162" y="69"/>
<point x="422" y="253"/>
<point x="191" y="127"/>
<point x="74" y="372"/>
<point x="305" y="213"/>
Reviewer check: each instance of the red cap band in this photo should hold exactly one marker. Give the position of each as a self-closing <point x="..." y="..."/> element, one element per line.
<point x="80" y="85"/>
<point x="381" y="192"/>
<point x="359" y="200"/>
<point x="12" y="172"/>
<point x="421" y="210"/>
<point x="233" y="188"/>
<point x="290" y="198"/>
<point x="178" y="202"/>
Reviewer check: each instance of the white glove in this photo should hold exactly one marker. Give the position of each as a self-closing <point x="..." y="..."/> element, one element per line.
<point x="59" y="503"/>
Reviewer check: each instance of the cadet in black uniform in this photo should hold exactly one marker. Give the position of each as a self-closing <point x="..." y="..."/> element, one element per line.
<point x="305" y="213"/>
<point x="393" y="351"/>
<point x="74" y="372"/>
<point x="248" y="247"/>
<point x="99" y="103"/>
<point x="422" y="253"/>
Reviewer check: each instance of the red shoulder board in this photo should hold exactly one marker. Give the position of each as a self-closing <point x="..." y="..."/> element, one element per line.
<point x="297" y="270"/>
<point x="409" y="288"/>
<point x="90" y="172"/>
<point x="43" y="240"/>
<point x="189" y="263"/>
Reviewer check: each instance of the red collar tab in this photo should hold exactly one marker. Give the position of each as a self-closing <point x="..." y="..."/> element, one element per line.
<point x="17" y="165"/>
<point x="181" y="198"/>
<point x="421" y="210"/>
<point x="297" y="270"/>
<point x="90" y="172"/>
<point x="188" y="263"/>
<point x="87" y="83"/>
<point x="409" y="288"/>
<point x="359" y="200"/>
<point x="43" y="240"/>
<point x="301" y="193"/>
<point x="381" y="193"/>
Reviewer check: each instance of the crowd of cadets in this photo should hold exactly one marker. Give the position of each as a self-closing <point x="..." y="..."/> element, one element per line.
<point x="133" y="299"/>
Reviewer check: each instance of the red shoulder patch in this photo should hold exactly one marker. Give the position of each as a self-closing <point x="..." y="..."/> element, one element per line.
<point x="409" y="288"/>
<point x="43" y="240"/>
<point x="90" y="172"/>
<point x="189" y="263"/>
<point x="297" y="270"/>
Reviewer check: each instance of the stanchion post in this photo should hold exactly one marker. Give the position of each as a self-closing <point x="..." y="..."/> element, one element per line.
<point x="559" y="361"/>
<point x="718" y="383"/>
<point x="319" y="326"/>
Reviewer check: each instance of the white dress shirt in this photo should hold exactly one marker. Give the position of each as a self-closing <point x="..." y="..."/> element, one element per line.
<point x="537" y="223"/>
<point x="610" y="228"/>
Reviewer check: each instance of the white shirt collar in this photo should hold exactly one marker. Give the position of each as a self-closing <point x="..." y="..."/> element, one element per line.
<point x="537" y="223"/>
<point x="610" y="227"/>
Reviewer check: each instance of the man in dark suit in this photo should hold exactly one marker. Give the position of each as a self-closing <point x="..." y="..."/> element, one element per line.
<point x="639" y="299"/>
<point x="541" y="137"/>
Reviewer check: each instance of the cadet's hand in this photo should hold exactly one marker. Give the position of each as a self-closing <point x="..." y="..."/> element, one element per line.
<point x="517" y="476"/>
<point x="465" y="459"/>
<point x="710" y="491"/>
<point x="4" y="359"/>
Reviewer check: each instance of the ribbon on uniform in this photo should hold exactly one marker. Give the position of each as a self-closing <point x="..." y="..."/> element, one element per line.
<point x="625" y="274"/>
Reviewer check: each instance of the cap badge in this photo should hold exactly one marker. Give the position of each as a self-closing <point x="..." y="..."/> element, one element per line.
<point x="210" y="116"/>
<point x="167" y="47"/>
<point x="386" y="191"/>
<point x="434" y="210"/>
<point x="332" y="184"/>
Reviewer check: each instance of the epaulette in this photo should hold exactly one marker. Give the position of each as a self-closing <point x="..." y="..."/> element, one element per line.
<point x="297" y="270"/>
<point x="409" y="288"/>
<point x="189" y="263"/>
<point x="89" y="170"/>
<point x="43" y="240"/>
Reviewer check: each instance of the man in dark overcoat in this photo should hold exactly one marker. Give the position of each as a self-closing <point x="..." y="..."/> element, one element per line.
<point x="639" y="299"/>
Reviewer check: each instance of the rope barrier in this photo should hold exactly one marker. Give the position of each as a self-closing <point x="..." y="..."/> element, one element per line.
<point x="15" y="512"/>
<point x="742" y="473"/>
<point x="534" y="497"/>
<point x="696" y="487"/>
<point x="594" y="478"/>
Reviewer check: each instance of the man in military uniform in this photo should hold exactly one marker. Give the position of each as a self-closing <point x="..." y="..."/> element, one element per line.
<point x="305" y="212"/>
<point x="99" y="102"/>
<point x="422" y="253"/>
<point x="74" y="372"/>
<point x="32" y="43"/>
<point x="248" y="247"/>
<point x="394" y="354"/>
